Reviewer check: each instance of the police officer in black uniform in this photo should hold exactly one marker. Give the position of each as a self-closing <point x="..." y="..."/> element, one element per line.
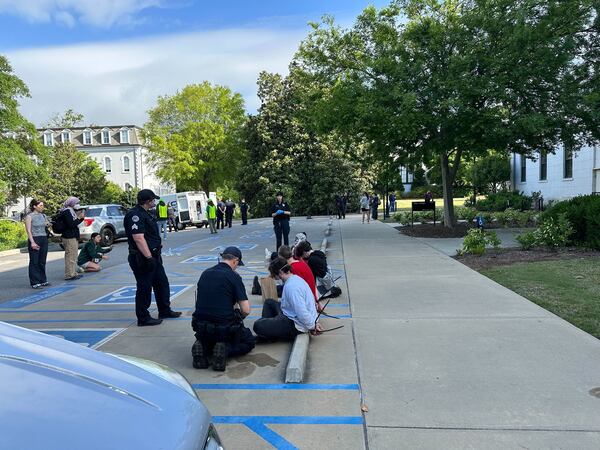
<point x="281" y="220"/>
<point x="146" y="261"/>
<point x="221" y="305"/>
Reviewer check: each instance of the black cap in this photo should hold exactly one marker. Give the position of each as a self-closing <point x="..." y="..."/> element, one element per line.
<point x="235" y="252"/>
<point x="146" y="194"/>
<point x="279" y="194"/>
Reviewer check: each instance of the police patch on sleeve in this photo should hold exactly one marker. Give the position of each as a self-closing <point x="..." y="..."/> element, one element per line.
<point x="134" y="227"/>
<point x="135" y="218"/>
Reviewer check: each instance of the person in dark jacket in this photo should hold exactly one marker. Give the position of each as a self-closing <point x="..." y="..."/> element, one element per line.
<point x="281" y="213"/>
<point x="244" y="211"/>
<point x="91" y="254"/>
<point x="221" y="214"/>
<point x="375" y="206"/>
<point x="72" y="215"/>
<point x="229" y="209"/>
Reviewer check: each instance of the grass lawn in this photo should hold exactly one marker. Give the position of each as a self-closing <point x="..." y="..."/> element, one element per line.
<point x="568" y="288"/>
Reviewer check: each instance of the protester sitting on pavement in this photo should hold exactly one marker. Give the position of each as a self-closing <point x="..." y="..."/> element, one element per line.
<point x="91" y="254"/>
<point x="221" y="306"/>
<point x="37" y="243"/>
<point x="317" y="261"/>
<point x="299" y="267"/>
<point x="71" y="216"/>
<point x="297" y="312"/>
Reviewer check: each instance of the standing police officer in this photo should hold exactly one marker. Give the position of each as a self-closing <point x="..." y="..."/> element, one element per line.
<point x="281" y="220"/>
<point x="146" y="262"/>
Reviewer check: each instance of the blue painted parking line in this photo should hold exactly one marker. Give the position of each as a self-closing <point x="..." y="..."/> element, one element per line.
<point x="69" y="320"/>
<point x="126" y="295"/>
<point x="200" y="259"/>
<point x="103" y="310"/>
<point x="258" y="424"/>
<point x="242" y="247"/>
<point x="89" y="337"/>
<point x="275" y="387"/>
<point x="37" y="297"/>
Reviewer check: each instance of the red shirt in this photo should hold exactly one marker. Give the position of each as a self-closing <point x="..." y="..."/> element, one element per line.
<point x="301" y="268"/>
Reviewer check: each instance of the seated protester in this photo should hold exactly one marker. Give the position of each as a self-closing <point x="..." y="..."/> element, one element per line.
<point x="317" y="261"/>
<point x="299" y="267"/>
<point x="91" y="254"/>
<point x="297" y="312"/>
<point x="221" y="305"/>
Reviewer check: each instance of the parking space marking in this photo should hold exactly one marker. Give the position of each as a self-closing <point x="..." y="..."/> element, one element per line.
<point x="88" y="337"/>
<point x="243" y="247"/>
<point x="281" y="386"/>
<point x="126" y="295"/>
<point x="199" y="259"/>
<point x="37" y="297"/>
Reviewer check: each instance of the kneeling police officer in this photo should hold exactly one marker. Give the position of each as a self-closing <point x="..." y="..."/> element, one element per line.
<point x="221" y="306"/>
<point x="146" y="261"/>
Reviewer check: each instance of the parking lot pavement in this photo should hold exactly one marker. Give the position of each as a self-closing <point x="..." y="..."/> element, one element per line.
<point x="251" y="405"/>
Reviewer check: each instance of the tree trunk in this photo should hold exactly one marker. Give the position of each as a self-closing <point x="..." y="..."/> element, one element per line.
<point x="447" y="182"/>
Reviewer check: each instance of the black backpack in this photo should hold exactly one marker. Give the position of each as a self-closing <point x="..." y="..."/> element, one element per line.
<point x="58" y="223"/>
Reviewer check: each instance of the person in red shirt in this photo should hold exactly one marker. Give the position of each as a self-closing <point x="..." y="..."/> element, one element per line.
<point x="300" y="268"/>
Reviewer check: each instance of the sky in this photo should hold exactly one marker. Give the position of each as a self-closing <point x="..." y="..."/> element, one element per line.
<point x="111" y="59"/>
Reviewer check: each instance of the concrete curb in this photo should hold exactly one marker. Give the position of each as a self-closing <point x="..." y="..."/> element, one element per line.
<point x="14" y="251"/>
<point x="324" y="245"/>
<point x="294" y="373"/>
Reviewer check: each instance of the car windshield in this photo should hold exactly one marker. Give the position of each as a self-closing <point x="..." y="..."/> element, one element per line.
<point x="93" y="212"/>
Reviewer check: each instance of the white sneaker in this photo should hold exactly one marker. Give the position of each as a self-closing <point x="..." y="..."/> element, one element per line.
<point x="80" y="269"/>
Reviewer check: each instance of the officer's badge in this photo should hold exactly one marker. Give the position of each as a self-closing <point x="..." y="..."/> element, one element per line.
<point x="135" y="218"/>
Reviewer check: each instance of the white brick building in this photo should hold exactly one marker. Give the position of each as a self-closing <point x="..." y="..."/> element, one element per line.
<point x="560" y="175"/>
<point x="117" y="149"/>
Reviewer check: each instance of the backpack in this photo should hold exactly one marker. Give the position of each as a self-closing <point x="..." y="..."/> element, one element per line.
<point x="58" y="223"/>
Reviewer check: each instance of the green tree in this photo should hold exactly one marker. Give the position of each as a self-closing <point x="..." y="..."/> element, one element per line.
<point x="283" y="155"/>
<point x="446" y="80"/>
<point x="68" y="119"/>
<point x="72" y="173"/>
<point x="195" y="137"/>
<point x="489" y="173"/>
<point x="20" y="150"/>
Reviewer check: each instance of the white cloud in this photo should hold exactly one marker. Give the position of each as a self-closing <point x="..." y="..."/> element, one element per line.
<point x="97" y="13"/>
<point x="117" y="82"/>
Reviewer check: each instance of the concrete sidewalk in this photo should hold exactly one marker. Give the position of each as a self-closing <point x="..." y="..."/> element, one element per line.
<point x="449" y="359"/>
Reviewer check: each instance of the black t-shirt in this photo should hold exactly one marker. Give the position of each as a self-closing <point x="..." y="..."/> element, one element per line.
<point x="71" y="225"/>
<point x="284" y="207"/>
<point x="139" y="221"/>
<point x="219" y="289"/>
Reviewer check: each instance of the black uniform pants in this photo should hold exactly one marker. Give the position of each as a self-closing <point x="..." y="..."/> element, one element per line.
<point x="239" y="338"/>
<point x="274" y="324"/>
<point x="146" y="282"/>
<point x="228" y="219"/>
<point x="172" y="224"/>
<point x="244" y="217"/>
<point x="220" y="221"/>
<point x="37" y="260"/>
<point x="282" y="229"/>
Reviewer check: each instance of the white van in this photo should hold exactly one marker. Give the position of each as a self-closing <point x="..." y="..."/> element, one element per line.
<point x="190" y="208"/>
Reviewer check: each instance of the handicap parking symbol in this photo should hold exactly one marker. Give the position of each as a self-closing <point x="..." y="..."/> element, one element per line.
<point x="243" y="247"/>
<point x="200" y="259"/>
<point x="88" y="337"/>
<point x="126" y="295"/>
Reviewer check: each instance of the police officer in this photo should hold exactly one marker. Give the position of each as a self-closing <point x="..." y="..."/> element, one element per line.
<point x="281" y="220"/>
<point x="146" y="262"/>
<point x="244" y="211"/>
<point x="221" y="305"/>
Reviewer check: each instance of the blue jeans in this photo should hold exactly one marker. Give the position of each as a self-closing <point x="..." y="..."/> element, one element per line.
<point x="162" y="224"/>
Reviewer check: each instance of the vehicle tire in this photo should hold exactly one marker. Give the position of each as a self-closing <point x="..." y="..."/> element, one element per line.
<point x="108" y="236"/>
<point x="180" y="226"/>
<point x="199" y="225"/>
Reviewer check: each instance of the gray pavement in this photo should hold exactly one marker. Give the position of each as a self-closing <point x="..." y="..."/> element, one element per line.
<point x="449" y="359"/>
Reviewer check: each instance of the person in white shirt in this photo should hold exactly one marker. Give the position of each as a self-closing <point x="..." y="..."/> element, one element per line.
<point x="297" y="312"/>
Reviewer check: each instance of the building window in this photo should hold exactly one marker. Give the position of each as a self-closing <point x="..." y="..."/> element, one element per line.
<point x="107" y="164"/>
<point x="106" y="136"/>
<point x="124" y="136"/>
<point x="87" y="137"/>
<point x="126" y="163"/>
<point x="65" y="136"/>
<point x="523" y="168"/>
<point x="568" y="164"/>
<point x="543" y="166"/>
<point x="48" y="139"/>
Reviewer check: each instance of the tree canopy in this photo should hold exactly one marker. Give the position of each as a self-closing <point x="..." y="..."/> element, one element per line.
<point x="195" y="137"/>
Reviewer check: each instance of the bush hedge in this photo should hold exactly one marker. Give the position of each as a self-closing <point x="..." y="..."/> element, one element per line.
<point x="583" y="213"/>
<point x="12" y="235"/>
<point x="503" y="200"/>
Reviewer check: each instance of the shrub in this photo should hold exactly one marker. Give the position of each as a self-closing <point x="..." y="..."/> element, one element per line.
<point x="527" y="240"/>
<point x="502" y="200"/>
<point x="583" y="213"/>
<point x="419" y="192"/>
<point x="402" y="217"/>
<point x="465" y="213"/>
<point x="476" y="240"/>
<point x="12" y="235"/>
<point x="554" y="231"/>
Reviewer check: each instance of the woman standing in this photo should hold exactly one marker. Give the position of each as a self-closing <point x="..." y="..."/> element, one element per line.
<point x="72" y="216"/>
<point x="365" y="206"/>
<point x="35" y="224"/>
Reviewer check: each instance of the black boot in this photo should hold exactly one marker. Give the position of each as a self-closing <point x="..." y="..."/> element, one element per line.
<point x="220" y="353"/>
<point x="200" y="360"/>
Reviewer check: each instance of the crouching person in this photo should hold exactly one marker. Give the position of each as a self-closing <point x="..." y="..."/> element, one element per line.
<point x="221" y="306"/>
<point x="91" y="255"/>
<point x="297" y="312"/>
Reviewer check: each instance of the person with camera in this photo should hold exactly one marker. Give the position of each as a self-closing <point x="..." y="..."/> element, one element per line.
<point x="70" y="216"/>
<point x="146" y="262"/>
<point x="91" y="255"/>
<point x="218" y="320"/>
